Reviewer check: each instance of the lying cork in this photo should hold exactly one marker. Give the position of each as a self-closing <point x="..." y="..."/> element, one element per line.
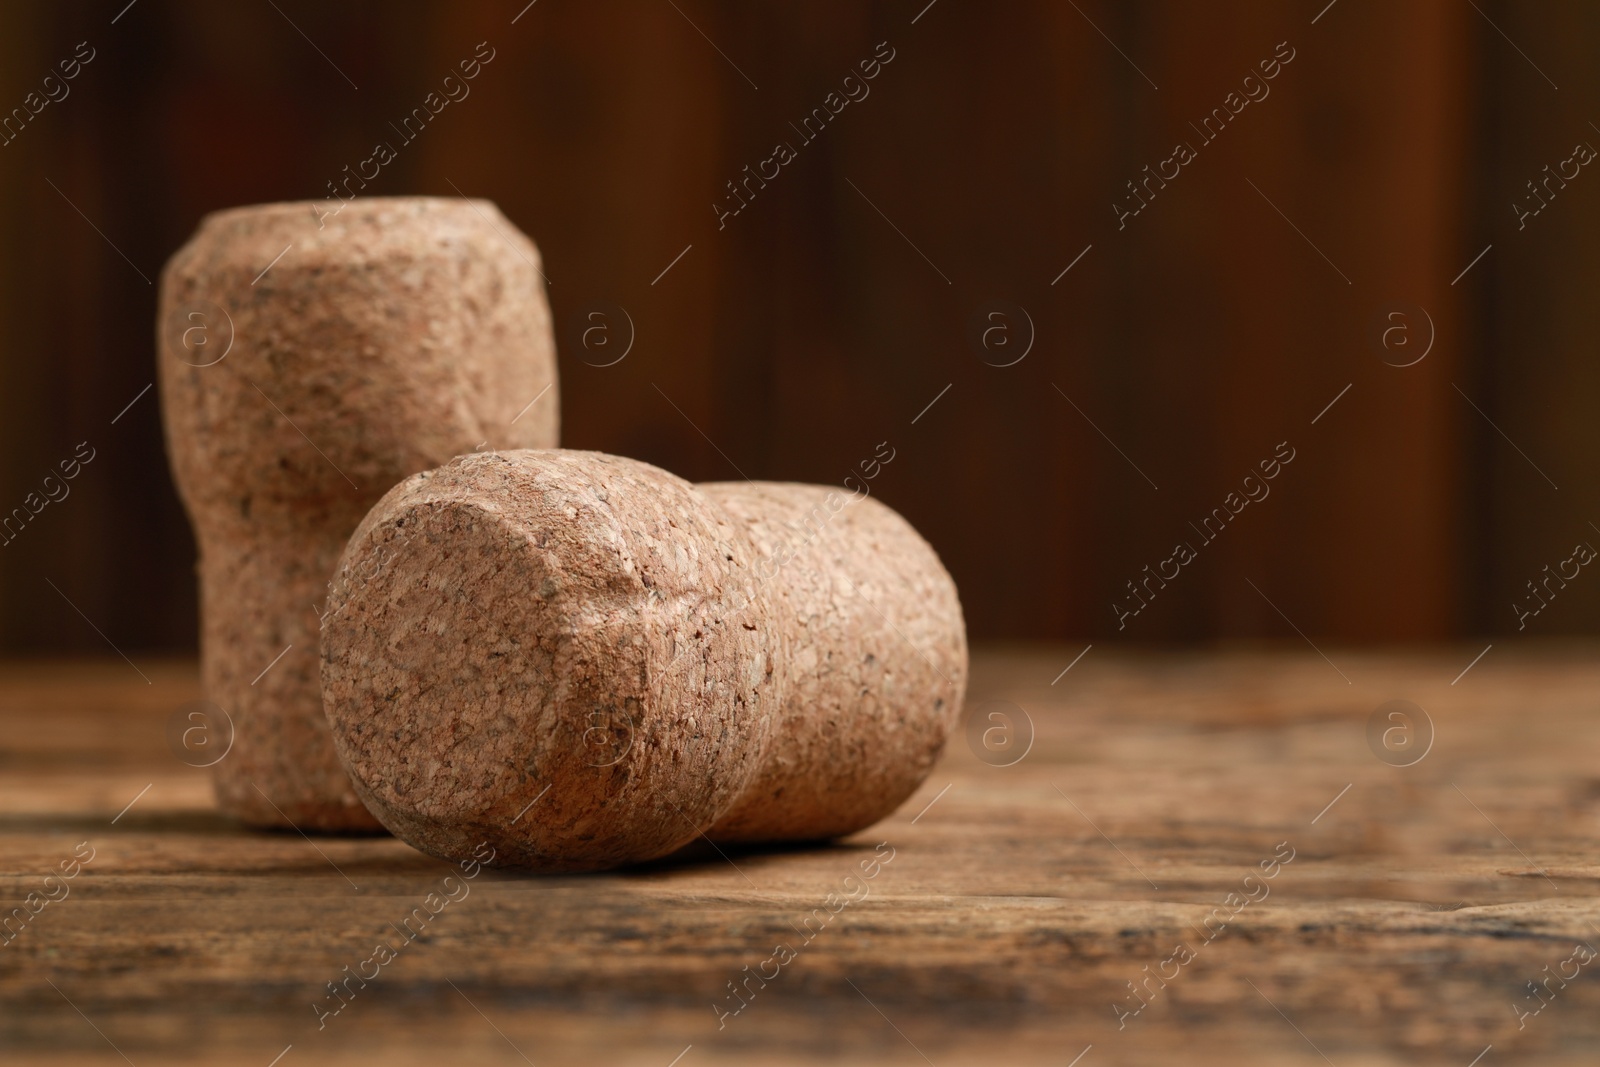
<point x="585" y="661"/>
<point x="308" y="361"/>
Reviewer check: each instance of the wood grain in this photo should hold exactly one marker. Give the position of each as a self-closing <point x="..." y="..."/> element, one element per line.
<point x="1018" y="902"/>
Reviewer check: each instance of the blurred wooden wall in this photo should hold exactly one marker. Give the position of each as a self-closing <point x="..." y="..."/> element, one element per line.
<point x="1177" y="353"/>
<point x="1535" y="373"/>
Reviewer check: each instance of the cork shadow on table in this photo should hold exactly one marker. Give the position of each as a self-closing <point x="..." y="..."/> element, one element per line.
<point x="703" y="853"/>
<point x="699" y="855"/>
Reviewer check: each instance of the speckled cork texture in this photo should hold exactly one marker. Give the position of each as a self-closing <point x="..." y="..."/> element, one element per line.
<point x="876" y="666"/>
<point x="561" y="654"/>
<point x="584" y="661"/>
<point x="341" y="352"/>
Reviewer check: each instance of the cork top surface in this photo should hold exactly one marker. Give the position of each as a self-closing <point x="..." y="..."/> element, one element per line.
<point x="354" y="229"/>
<point x="309" y="351"/>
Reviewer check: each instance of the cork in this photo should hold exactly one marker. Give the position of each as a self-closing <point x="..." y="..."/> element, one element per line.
<point x="309" y="359"/>
<point x="584" y="661"/>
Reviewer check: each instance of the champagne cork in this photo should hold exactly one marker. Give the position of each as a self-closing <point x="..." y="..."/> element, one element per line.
<point x="310" y="359"/>
<point x="585" y="661"/>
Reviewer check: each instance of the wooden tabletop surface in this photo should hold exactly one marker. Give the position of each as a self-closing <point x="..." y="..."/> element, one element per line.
<point x="1197" y="858"/>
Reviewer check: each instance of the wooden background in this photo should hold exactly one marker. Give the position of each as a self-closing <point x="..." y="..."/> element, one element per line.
<point x="828" y="314"/>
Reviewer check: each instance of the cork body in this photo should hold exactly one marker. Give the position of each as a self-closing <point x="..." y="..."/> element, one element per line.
<point x="585" y="661"/>
<point x="560" y="654"/>
<point x="308" y="361"/>
<point x="876" y="666"/>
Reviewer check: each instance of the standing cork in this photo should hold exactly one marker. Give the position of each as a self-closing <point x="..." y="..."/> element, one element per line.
<point x="584" y="661"/>
<point x="309" y="360"/>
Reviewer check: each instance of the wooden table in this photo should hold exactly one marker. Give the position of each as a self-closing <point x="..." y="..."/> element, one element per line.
<point x="1019" y="904"/>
